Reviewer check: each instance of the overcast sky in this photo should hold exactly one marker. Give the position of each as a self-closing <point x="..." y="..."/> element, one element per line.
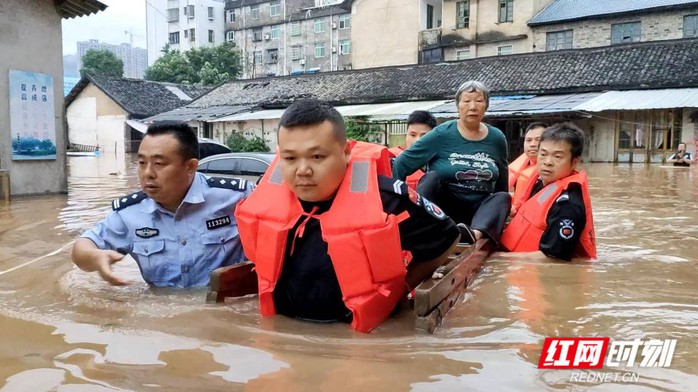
<point x="108" y="26"/>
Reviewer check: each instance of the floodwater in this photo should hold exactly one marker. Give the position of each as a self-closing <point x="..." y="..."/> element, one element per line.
<point x="65" y="330"/>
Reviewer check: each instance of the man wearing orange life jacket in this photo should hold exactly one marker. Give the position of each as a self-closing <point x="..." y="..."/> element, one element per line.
<point x="419" y="123"/>
<point x="555" y="220"/>
<point x="524" y="167"/>
<point x="329" y="231"/>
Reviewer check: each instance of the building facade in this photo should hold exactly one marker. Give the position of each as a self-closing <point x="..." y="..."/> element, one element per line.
<point x="135" y="59"/>
<point x="283" y="37"/>
<point x="560" y="27"/>
<point x="32" y="34"/>
<point x="183" y="25"/>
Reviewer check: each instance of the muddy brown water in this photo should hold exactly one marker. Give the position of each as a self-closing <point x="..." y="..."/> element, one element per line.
<point x="65" y="330"/>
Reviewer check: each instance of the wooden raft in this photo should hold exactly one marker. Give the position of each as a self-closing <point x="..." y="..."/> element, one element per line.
<point x="433" y="298"/>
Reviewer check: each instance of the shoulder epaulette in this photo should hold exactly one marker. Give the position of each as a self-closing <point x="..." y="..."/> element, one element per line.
<point x="236" y="184"/>
<point x="128" y="200"/>
<point x="392" y="185"/>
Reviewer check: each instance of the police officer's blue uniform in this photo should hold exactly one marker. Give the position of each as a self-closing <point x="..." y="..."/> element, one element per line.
<point x="182" y="248"/>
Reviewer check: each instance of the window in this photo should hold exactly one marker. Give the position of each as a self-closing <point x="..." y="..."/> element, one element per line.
<point x="296" y="52"/>
<point x="506" y="11"/>
<point x="462" y="54"/>
<point x="319" y="25"/>
<point x="210" y="13"/>
<point x="504" y="50"/>
<point x="231" y="16"/>
<point x="430" y="16"/>
<point x="557" y="40"/>
<point x="272" y="56"/>
<point x="625" y="32"/>
<point x="257" y="57"/>
<point x="344" y="21"/>
<point x="192" y="34"/>
<point x="257" y="34"/>
<point x="252" y="167"/>
<point x="319" y="50"/>
<point x="254" y="11"/>
<point x="222" y="166"/>
<point x="276" y="32"/>
<point x="173" y="15"/>
<point x="211" y="36"/>
<point x="230" y="36"/>
<point x="186" y="33"/>
<point x="275" y="8"/>
<point x="462" y="14"/>
<point x="432" y="56"/>
<point x="344" y="46"/>
<point x="174" y="37"/>
<point x="190" y="12"/>
<point x="295" y="29"/>
<point x="690" y="26"/>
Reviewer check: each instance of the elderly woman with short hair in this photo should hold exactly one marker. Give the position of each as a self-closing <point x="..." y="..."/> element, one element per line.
<point x="466" y="163"/>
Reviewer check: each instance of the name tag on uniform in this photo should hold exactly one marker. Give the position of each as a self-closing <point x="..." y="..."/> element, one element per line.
<point x="218" y="222"/>
<point x="147" y="232"/>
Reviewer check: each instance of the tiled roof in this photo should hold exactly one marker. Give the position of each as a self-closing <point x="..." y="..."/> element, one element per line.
<point x="75" y="8"/>
<point x="197" y="114"/>
<point x="566" y="10"/>
<point x="140" y="98"/>
<point x="659" y="64"/>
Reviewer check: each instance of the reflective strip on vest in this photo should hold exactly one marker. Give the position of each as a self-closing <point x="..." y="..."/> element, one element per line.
<point x="549" y="190"/>
<point x="276" y="177"/>
<point x="359" y="177"/>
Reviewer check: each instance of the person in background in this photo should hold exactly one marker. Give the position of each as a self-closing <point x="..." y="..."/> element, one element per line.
<point x="332" y="236"/>
<point x="179" y="228"/>
<point x="523" y="167"/>
<point x="680" y="157"/>
<point x="467" y="160"/>
<point x="555" y="219"/>
<point x="419" y="123"/>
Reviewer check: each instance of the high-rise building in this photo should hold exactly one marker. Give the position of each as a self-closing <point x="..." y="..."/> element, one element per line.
<point x="183" y="24"/>
<point x="135" y="59"/>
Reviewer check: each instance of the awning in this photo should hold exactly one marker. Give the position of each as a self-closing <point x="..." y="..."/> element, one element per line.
<point x="72" y="8"/>
<point x="137" y="125"/>
<point x="376" y="111"/>
<point x="642" y="99"/>
<point x="521" y="105"/>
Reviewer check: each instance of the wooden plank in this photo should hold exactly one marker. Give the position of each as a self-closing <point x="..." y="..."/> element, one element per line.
<point x="232" y="281"/>
<point x="430" y="293"/>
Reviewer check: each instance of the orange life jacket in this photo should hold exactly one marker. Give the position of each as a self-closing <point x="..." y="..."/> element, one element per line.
<point x="520" y="189"/>
<point x="363" y="241"/>
<point x="413" y="179"/>
<point x="525" y="230"/>
<point x="517" y="167"/>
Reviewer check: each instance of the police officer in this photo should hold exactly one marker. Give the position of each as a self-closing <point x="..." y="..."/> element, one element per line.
<point x="179" y="228"/>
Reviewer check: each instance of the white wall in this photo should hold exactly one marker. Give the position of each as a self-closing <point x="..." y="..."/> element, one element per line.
<point x="31" y="40"/>
<point x="82" y="121"/>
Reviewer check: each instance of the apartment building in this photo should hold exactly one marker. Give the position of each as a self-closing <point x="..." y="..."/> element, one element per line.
<point x="283" y="37"/>
<point x="183" y="24"/>
<point x="592" y="24"/>
<point x="135" y="59"/>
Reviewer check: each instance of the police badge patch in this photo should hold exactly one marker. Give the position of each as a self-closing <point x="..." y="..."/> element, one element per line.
<point x="566" y="229"/>
<point x="147" y="232"/>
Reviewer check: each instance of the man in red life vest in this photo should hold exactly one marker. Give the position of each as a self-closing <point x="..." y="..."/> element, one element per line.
<point x="555" y="219"/>
<point x="419" y="123"/>
<point x="330" y="232"/>
<point x="523" y="167"/>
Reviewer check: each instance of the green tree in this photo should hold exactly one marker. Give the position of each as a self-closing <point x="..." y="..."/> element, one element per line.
<point x="101" y="62"/>
<point x="238" y="143"/>
<point x="171" y="67"/>
<point x="207" y="65"/>
<point x="358" y="128"/>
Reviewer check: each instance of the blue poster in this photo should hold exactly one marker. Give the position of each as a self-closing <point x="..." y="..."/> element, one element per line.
<point x="32" y="116"/>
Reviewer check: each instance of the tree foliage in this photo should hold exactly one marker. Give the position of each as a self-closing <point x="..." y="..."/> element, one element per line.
<point x="101" y="62"/>
<point x="238" y="143"/>
<point x="207" y="65"/>
<point x="358" y="128"/>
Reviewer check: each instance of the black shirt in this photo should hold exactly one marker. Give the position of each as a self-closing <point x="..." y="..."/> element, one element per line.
<point x="565" y="222"/>
<point x="308" y="287"/>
